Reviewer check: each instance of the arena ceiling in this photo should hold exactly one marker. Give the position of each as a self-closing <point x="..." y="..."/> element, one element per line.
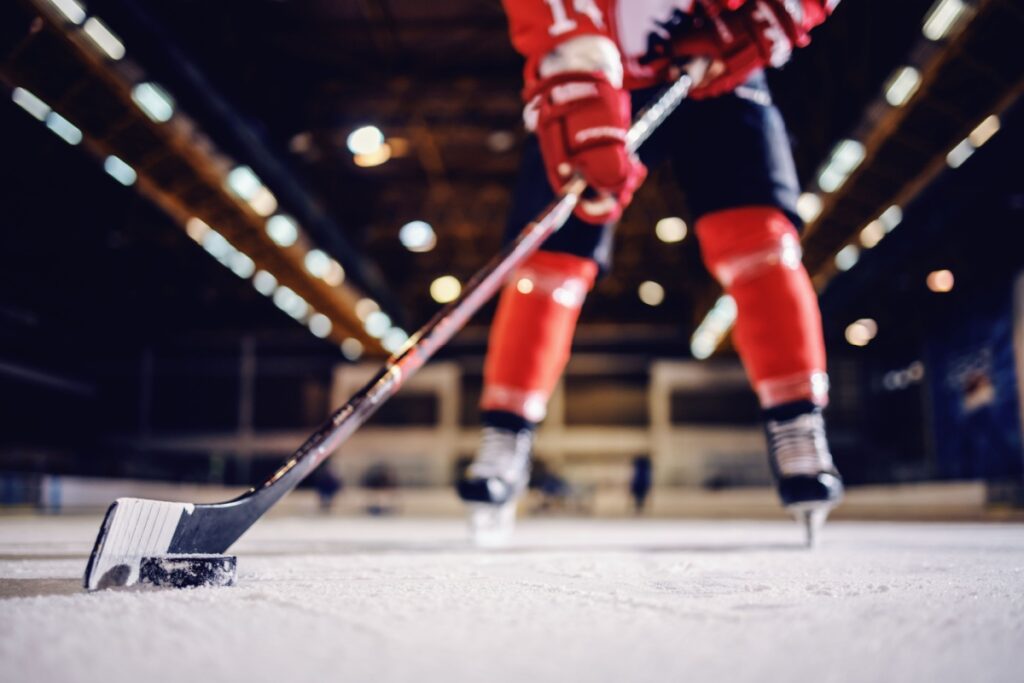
<point x="278" y="85"/>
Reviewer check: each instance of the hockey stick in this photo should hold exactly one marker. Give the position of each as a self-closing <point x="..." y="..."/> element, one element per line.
<point x="136" y="528"/>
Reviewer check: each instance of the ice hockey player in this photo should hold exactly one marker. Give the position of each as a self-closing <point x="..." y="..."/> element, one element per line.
<point x="589" y="65"/>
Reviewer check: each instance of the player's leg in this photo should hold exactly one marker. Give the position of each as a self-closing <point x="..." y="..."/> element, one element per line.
<point x="528" y="348"/>
<point x="739" y="169"/>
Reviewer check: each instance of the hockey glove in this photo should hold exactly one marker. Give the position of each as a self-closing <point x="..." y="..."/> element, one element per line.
<point x="581" y="120"/>
<point x="755" y="35"/>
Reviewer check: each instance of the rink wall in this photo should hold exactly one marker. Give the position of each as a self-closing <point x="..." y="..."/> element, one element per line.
<point x="933" y="501"/>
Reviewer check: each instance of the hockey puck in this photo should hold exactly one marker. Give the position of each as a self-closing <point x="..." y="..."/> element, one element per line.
<point x="188" y="571"/>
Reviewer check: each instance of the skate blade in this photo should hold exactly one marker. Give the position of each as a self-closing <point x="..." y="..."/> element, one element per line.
<point x="811" y="517"/>
<point x="491" y="526"/>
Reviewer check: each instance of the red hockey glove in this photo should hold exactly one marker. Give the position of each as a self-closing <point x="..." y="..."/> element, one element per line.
<point x="742" y="36"/>
<point x="581" y="123"/>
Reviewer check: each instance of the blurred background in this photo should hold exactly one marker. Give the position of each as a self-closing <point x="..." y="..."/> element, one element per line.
<point x="219" y="217"/>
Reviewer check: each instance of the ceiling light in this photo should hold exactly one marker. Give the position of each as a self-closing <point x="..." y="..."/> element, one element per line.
<point x="154" y="101"/>
<point x="197" y="229"/>
<point x="670" y="230"/>
<point x="352" y="348"/>
<point x="377" y="158"/>
<point x="902" y="86"/>
<point x="872" y="234"/>
<point x="365" y="141"/>
<point x="364" y="307"/>
<point x="845" y="158"/>
<point x="104" y="38"/>
<point x="65" y="130"/>
<point x="808" y="206"/>
<point x="264" y="282"/>
<point x="244" y="182"/>
<point x="291" y="303"/>
<point x="283" y="230"/>
<point x="712" y="330"/>
<point x="320" y="325"/>
<point x="959" y="154"/>
<point x="984" y="132"/>
<point x="524" y="285"/>
<point x="71" y="10"/>
<point x="317" y="263"/>
<point x="377" y="324"/>
<point x="216" y="246"/>
<point x="241" y="265"/>
<point x="445" y="289"/>
<point x="847" y="257"/>
<point x="417" y="236"/>
<point x="861" y="332"/>
<point x="941" y="281"/>
<point x="120" y="171"/>
<point x="651" y="293"/>
<point x="891" y="217"/>
<point x="942" y="17"/>
<point x="394" y="339"/>
<point x="30" y="103"/>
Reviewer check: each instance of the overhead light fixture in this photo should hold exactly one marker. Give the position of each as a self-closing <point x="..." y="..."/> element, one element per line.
<point x="30" y="103"/>
<point x="417" y="236"/>
<point x="352" y="348"/>
<point x="245" y="184"/>
<point x="72" y="11"/>
<point x="377" y="324"/>
<point x="103" y="38"/>
<point x="940" y="281"/>
<point x="712" y="330"/>
<point x="217" y="246"/>
<point x="651" y="293"/>
<point x="847" y="257"/>
<point x="381" y="155"/>
<point x="264" y="282"/>
<point x="283" y="230"/>
<point x="320" y="325"/>
<point x="902" y="86"/>
<point x="671" y="230"/>
<point x="524" y="285"/>
<point x="844" y="160"/>
<point x="942" y="18"/>
<point x="65" y="130"/>
<point x="291" y="303"/>
<point x="196" y="229"/>
<point x="809" y="206"/>
<point x="394" y="339"/>
<point x="861" y="332"/>
<point x="154" y="101"/>
<point x="241" y="265"/>
<point x="317" y="262"/>
<point x="117" y="169"/>
<point x="872" y="234"/>
<point x="445" y="289"/>
<point x="891" y="217"/>
<point x="365" y="141"/>
<point x="364" y="307"/>
<point x="984" y="131"/>
<point x="959" y="154"/>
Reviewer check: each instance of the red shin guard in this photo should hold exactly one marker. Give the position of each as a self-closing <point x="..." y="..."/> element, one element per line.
<point x="754" y="253"/>
<point x="532" y="332"/>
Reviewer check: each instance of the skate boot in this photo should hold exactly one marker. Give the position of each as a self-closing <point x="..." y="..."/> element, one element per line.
<point x="808" y="483"/>
<point x="495" y="482"/>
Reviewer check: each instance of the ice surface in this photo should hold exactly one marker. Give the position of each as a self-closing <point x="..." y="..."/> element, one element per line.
<point x="405" y="600"/>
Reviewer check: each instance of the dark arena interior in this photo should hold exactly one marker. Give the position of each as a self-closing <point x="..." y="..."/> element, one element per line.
<point x="221" y="219"/>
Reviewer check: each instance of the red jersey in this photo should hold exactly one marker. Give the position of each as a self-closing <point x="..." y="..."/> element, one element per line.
<point x="538" y="26"/>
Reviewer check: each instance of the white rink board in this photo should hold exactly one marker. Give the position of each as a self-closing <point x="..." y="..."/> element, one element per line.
<point x="407" y="600"/>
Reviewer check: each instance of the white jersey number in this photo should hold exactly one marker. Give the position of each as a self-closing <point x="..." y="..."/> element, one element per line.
<point x="563" y="24"/>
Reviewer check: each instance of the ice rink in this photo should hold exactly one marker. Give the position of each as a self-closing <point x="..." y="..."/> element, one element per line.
<point x="408" y="600"/>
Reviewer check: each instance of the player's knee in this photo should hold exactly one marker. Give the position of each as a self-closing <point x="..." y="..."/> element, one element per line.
<point x="564" y="278"/>
<point x="739" y="245"/>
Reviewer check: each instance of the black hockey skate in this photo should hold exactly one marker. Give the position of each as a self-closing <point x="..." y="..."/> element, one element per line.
<point x="808" y="483"/>
<point x="495" y="482"/>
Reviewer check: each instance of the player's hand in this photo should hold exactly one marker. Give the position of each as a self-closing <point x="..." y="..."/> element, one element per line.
<point x="581" y="123"/>
<point x="754" y="35"/>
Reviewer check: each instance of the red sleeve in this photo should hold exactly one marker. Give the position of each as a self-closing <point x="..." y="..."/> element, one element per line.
<point x="538" y="26"/>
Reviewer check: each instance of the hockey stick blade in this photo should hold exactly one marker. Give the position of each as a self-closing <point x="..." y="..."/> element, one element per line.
<point x="135" y="528"/>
